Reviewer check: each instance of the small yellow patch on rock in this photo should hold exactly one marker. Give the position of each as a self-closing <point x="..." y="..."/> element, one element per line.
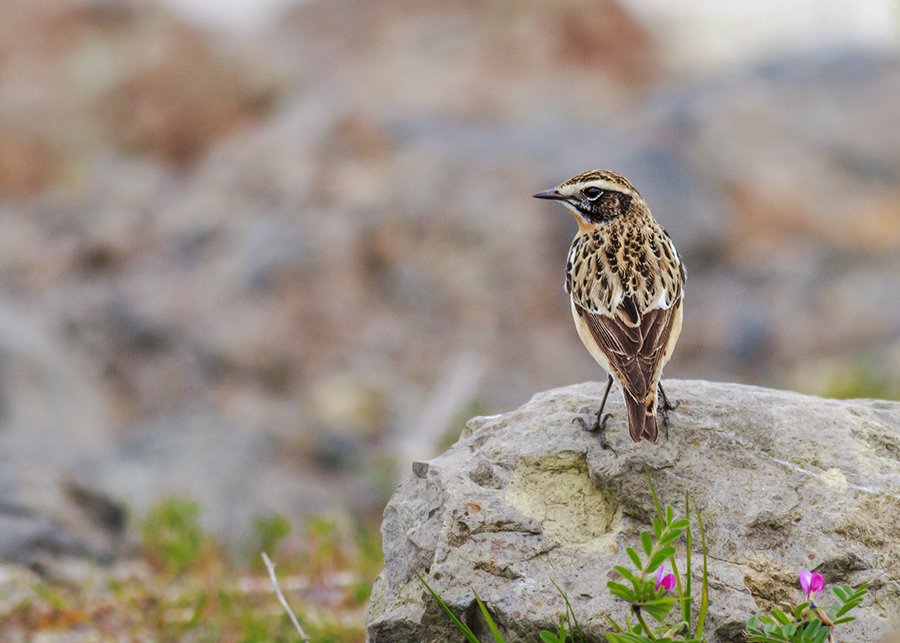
<point x="834" y="479"/>
<point x="573" y="511"/>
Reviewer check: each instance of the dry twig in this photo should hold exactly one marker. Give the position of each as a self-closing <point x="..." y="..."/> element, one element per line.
<point x="271" y="567"/>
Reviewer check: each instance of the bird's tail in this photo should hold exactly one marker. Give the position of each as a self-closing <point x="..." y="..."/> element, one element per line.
<point x="642" y="417"/>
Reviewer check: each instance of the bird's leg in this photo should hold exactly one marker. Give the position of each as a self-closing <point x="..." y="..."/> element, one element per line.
<point x="598" y="425"/>
<point x="665" y="407"/>
<point x="666" y="404"/>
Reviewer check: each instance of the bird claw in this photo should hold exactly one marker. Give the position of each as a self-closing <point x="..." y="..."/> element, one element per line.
<point x="596" y="425"/>
<point x="669" y="406"/>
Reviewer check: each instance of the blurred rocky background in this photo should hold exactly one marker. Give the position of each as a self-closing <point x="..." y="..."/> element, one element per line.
<point x="265" y="260"/>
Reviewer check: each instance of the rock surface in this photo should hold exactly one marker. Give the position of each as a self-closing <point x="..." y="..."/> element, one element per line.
<point x="783" y="482"/>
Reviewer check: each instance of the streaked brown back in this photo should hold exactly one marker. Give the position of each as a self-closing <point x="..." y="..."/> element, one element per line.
<point x="635" y="345"/>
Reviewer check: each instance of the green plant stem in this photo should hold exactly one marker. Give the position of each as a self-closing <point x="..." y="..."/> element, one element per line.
<point x="677" y="575"/>
<point x="640" y="618"/>
<point x="686" y="605"/>
<point x="665" y="531"/>
<point x="571" y="610"/>
<point x="704" y="596"/>
<point x="653" y="551"/>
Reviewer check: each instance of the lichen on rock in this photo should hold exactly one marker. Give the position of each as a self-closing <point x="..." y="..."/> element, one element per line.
<point x="573" y="511"/>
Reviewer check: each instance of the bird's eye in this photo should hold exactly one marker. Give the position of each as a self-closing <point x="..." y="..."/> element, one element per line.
<point x="592" y="193"/>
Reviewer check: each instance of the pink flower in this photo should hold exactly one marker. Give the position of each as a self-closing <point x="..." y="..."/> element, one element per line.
<point x="811" y="582"/>
<point x="664" y="580"/>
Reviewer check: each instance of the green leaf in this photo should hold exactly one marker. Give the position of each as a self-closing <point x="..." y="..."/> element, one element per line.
<point x="670" y="537"/>
<point x="657" y="528"/>
<point x="659" y="608"/>
<point x="841" y="594"/>
<point x="624" y="572"/>
<point x="647" y="542"/>
<point x="814" y="632"/>
<point x="846" y="619"/>
<point x="780" y="616"/>
<point x="809" y="634"/>
<point x="617" y="589"/>
<point x="547" y="637"/>
<point x="659" y="558"/>
<point x="633" y="555"/>
<point x="462" y="627"/>
<point x="683" y="523"/>
<point x="614" y="624"/>
<point x="853" y="600"/>
<point x="653" y="491"/>
<point x="490" y="621"/>
<point x="670" y="514"/>
<point x="626" y="637"/>
<point x="770" y="635"/>
<point x="640" y="586"/>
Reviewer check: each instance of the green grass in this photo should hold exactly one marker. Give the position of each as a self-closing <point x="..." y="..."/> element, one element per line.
<point x="187" y="586"/>
<point x="858" y="381"/>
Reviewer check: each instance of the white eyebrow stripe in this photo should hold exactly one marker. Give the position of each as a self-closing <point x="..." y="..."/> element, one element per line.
<point x="608" y="186"/>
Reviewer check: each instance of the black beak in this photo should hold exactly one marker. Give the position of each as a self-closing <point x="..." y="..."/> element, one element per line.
<point x="550" y="194"/>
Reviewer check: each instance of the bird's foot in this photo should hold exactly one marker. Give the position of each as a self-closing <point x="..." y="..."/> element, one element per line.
<point x="665" y="407"/>
<point x="596" y="424"/>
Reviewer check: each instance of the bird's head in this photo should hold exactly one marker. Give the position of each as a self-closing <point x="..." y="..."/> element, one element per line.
<point x="596" y="197"/>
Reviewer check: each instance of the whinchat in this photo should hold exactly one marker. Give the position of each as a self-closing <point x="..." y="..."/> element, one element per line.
<point x="626" y="284"/>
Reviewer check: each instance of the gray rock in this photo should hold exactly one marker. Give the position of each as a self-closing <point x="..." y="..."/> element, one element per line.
<point x="783" y="481"/>
<point x="48" y="515"/>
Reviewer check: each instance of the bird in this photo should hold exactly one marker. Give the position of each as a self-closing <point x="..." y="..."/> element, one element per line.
<point x="626" y="282"/>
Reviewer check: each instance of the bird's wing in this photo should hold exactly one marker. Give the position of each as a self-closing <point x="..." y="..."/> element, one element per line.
<point x="630" y="320"/>
<point x="633" y="342"/>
